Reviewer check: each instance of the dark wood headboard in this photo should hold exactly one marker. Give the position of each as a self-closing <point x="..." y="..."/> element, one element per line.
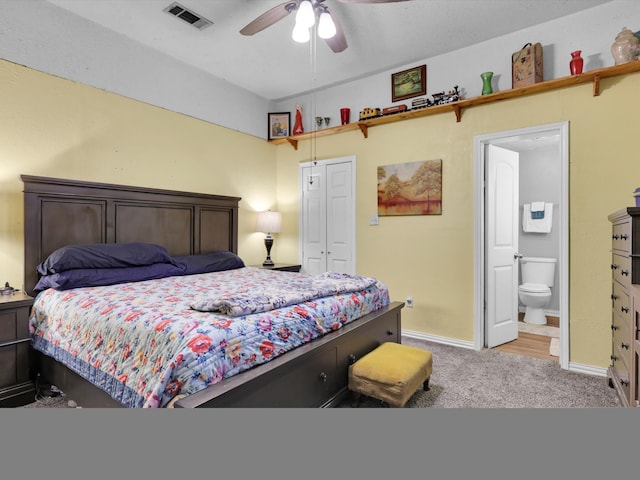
<point x="59" y="212"/>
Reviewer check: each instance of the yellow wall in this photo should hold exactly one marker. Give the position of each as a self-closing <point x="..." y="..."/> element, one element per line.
<point x="431" y="257"/>
<point x="53" y="127"/>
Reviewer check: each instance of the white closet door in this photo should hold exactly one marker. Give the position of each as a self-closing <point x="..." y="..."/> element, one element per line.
<point x="340" y="218"/>
<point x="327" y="216"/>
<point x="314" y="213"/>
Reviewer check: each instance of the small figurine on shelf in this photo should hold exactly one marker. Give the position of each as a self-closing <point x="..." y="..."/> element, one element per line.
<point x="297" y="126"/>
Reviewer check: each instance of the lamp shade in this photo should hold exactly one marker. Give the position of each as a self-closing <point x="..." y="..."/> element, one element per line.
<point x="269" y="222"/>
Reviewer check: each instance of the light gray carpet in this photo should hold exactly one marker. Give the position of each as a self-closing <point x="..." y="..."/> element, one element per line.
<point x="464" y="378"/>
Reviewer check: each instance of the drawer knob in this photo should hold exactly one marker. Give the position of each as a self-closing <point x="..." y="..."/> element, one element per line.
<point x="352" y="358"/>
<point x="624" y="309"/>
<point x="624" y="345"/>
<point x="614" y="297"/>
<point x="624" y="236"/>
<point x="390" y="333"/>
<point x="323" y="376"/>
<point x="614" y="327"/>
<point x="624" y="382"/>
<point x="614" y="358"/>
<point x="614" y="266"/>
<point x="624" y="272"/>
<point x="615" y="237"/>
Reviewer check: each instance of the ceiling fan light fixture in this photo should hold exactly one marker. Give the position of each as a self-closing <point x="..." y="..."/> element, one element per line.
<point x="326" y="27"/>
<point x="305" y="16"/>
<point x="300" y="33"/>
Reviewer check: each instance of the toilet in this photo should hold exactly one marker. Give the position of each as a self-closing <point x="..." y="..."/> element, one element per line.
<point x="535" y="291"/>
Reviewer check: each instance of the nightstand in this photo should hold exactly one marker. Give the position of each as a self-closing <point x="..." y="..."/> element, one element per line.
<point x="283" y="267"/>
<point x="16" y="387"/>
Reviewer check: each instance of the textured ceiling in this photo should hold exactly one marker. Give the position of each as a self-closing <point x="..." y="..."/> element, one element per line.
<point x="380" y="36"/>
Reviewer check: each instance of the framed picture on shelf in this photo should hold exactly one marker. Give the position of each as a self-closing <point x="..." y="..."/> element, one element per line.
<point x="279" y="125"/>
<point x="409" y="83"/>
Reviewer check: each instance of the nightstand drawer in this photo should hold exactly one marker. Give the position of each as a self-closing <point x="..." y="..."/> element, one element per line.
<point x="16" y="387"/>
<point x="14" y="364"/>
<point x="14" y="325"/>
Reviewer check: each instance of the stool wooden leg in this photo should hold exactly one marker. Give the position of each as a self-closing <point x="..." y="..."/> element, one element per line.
<point x="425" y="385"/>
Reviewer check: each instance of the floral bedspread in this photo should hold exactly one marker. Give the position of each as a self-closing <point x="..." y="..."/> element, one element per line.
<point x="144" y="344"/>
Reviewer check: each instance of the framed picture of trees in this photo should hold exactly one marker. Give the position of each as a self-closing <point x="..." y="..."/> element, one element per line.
<point x="413" y="188"/>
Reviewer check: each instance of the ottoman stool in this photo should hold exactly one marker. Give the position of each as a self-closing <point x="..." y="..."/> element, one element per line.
<point x="391" y="373"/>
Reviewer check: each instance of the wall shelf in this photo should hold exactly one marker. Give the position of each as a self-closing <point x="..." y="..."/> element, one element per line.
<point x="592" y="76"/>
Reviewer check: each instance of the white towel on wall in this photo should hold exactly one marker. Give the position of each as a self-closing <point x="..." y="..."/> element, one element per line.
<point x="538" y="225"/>
<point x="537" y="206"/>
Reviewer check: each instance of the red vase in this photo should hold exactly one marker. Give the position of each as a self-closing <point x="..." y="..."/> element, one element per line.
<point x="298" y="128"/>
<point x="576" y="62"/>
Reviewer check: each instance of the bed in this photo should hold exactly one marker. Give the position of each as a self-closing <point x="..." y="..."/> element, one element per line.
<point x="311" y="373"/>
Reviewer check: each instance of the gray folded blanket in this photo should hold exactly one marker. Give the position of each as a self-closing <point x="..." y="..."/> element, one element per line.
<point x="294" y="289"/>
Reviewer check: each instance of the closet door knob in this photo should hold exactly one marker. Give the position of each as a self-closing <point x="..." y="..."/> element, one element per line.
<point x="517" y="255"/>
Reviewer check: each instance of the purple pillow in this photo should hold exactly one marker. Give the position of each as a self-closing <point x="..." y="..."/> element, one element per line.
<point x="95" y="277"/>
<point x="104" y="255"/>
<point x="210" y="262"/>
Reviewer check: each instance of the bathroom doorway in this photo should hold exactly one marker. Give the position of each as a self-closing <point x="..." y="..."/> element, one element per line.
<point x="549" y="143"/>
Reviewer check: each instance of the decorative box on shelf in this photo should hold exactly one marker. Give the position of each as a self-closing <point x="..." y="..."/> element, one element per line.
<point x="526" y="65"/>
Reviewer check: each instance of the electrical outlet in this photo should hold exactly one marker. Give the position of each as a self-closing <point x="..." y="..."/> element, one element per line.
<point x="374" y="220"/>
<point x="409" y="302"/>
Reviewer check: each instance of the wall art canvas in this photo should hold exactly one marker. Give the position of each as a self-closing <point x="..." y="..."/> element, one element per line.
<point x="413" y="188"/>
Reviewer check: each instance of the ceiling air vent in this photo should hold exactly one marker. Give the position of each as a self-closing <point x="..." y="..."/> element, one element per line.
<point x="188" y="16"/>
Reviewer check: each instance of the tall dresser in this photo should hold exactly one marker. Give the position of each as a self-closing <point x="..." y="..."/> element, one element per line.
<point x="624" y="371"/>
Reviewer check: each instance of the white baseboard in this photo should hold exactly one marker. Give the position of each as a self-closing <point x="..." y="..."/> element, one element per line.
<point x="573" y="367"/>
<point x="588" y="369"/>
<point x="436" y="339"/>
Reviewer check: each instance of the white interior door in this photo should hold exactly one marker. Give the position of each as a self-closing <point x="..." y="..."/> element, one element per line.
<point x="313" y="213"/>
<point x="327" y="216"/>
<point x="502" y="262"/>
<point x="340" y="218"/>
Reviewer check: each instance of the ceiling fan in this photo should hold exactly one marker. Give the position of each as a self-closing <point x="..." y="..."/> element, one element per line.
<point x="329" y="28"/>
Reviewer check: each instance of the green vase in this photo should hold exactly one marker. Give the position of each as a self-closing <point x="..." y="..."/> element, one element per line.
<point x="486" y="82"/>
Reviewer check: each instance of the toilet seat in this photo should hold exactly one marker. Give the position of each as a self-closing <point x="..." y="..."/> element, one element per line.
<point x="534" y="288"/>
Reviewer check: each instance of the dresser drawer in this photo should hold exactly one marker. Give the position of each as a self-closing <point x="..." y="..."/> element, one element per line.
<point x="621" y="239"/>
<point x="621" y="302"/>
<point x="621" y="371"/>
<point x="621" y="268"/>
<point x="621" y="343"/>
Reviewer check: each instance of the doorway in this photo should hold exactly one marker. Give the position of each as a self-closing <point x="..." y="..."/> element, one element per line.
<point x="550" y="137"/>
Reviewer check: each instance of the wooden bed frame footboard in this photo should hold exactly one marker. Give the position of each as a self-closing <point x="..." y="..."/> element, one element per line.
<point x="312" y="375"/>
<point x="59" y="212"/>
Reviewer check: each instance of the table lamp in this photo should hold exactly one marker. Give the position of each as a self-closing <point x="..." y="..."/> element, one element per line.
<point x="269" y="222"/>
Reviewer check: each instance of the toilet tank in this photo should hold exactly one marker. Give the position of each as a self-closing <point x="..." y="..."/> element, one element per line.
<point x="538" y="270"/>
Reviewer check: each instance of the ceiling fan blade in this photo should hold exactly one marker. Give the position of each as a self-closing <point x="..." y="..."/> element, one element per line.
<point x="338" y="42"/>
<point x="372" y="1"/>
<point x="270" y="17"/>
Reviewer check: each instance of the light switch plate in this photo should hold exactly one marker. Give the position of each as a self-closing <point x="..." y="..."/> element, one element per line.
<point x="374" y="220"/>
